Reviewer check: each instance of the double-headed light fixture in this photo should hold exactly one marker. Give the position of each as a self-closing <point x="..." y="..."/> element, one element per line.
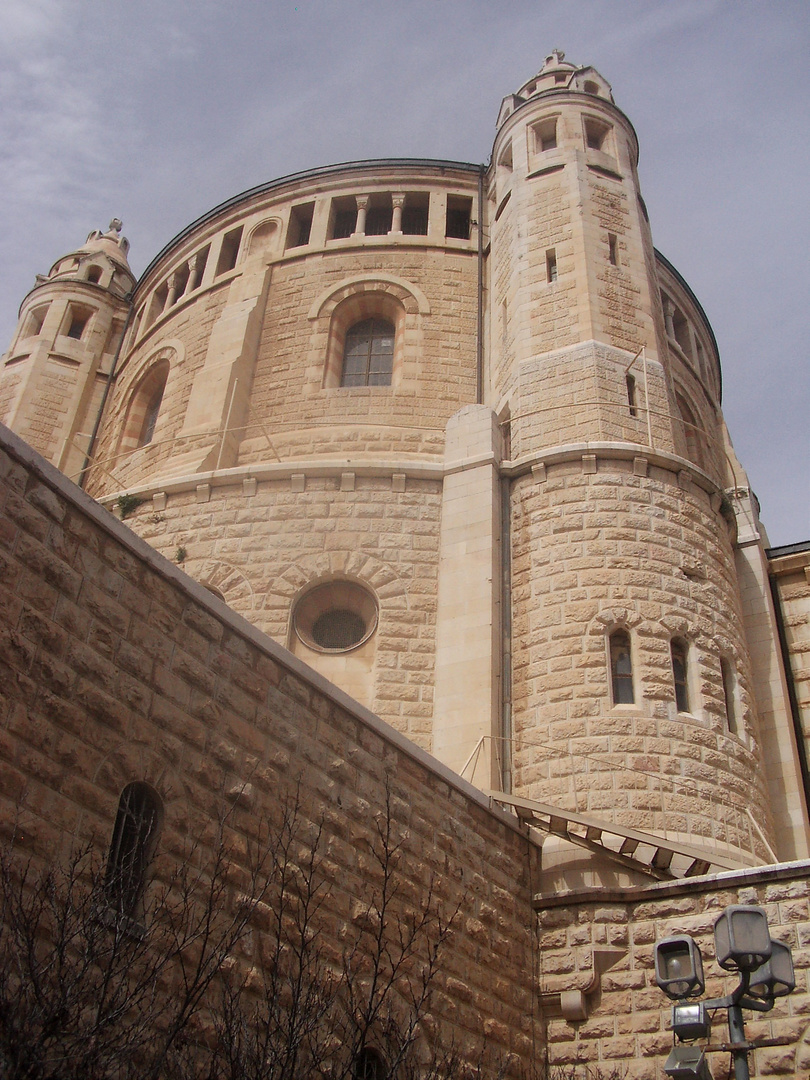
<point x="743" y="944"/>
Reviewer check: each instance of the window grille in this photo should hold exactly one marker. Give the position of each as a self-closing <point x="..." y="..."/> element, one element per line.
<point x="368" y="354"/>
<point x="338" y="629"/>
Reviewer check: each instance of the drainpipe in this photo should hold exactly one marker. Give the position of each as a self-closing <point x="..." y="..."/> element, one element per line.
<point x="479" y="358"/>
<point x="106" y="394"/>
<point x="506" y="635"/>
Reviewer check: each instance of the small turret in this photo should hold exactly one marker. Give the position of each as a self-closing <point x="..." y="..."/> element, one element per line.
<point x="557" y="74"/>
<point x="69" y="327"/>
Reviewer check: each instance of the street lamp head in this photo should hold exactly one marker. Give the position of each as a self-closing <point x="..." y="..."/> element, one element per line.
<point x="687" y="1063"/>
<point x="679" y="967"/>
<point x="775" y="978"/>
<point x="741" y="937"/>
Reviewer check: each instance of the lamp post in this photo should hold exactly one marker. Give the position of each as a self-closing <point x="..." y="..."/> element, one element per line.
<point x="743" y="944"/>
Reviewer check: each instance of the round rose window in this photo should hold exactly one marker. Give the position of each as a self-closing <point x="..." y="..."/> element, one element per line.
<point x="337" y="616"/>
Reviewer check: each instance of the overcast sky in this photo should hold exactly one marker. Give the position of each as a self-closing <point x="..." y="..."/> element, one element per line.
<point x="157" y="110"/>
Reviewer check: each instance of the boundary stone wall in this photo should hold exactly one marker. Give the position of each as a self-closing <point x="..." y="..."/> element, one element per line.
<point x="115" y="666"/>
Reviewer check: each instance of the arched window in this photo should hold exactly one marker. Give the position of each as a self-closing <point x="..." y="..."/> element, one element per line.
<point x="152" y="409"/>
<point x="133" y="844"/>
<point x="691" y="430"/>
<point x="144" y="407"/>
<point x="368" y="354"/>
<point x="678" y="652"/>
<point x="621" y="668"/>
<point x="369" y="1065"/>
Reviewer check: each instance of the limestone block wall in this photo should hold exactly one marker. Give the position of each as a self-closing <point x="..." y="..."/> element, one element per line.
<point x="627" y="1030"/>
<point x="599" y="544"/>
<point x="115" y="666"/>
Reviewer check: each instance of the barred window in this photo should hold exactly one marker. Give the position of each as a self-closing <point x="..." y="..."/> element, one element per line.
<point x="133" y="844"/>
<point x="368" y="354"/>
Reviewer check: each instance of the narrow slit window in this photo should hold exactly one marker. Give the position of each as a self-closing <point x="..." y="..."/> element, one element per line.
<point x="133" y="844"/>
<point x="551" y="265"/>
<point x="679" y="675"/>
<point x="613" y="250"/>
<point x="631" y="394"/>
<point x="621" y="668"/>
<point x="729" y="694"/>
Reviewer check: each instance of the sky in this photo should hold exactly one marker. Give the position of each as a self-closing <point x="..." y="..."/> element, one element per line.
<point x="158" y="110"/>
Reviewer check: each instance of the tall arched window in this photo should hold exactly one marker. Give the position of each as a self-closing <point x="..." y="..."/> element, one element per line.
<point x="680" y="673"/>
<point x="152" y="408"/>
<point x="144" y="407"/>
<point x="621" y="668"/>
<point x="133" y="844"/>
<point x="368" y="354"/>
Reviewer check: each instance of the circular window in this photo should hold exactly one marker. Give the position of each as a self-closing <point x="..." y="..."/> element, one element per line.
<point x="335" y="617"/>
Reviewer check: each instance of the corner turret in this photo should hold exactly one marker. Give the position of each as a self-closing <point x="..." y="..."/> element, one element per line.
<point x="69" y="328"/>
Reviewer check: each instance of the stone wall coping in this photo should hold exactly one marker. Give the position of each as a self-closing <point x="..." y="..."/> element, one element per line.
<point x="617" y="451"/>
<point x="420" y="470"/>
<point x="19" y="450"/>
<point x="660" y="890"/>
<point x="374" y="467"/>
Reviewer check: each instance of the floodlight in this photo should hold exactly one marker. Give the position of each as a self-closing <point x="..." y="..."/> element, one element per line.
<point x="687" y="1063"/>
<point x="741" y="937"/>
<point x="775" y="978"/>
<point x="679" y="967"/>
<point x="691" y="1021"/>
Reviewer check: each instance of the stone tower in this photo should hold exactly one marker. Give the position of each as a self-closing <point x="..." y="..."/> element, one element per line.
<point x="70" y="326"/>
<point x="633" y="693"/>
<point x="452" y="434"/>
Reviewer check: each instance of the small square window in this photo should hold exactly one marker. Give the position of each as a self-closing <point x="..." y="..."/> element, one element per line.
<point x="77" y="321"/>
<point x="545" y="135"/>
<point x="597" y="135"/>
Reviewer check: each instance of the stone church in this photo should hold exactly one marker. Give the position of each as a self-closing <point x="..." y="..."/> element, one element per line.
<point x="444" y="443"/>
